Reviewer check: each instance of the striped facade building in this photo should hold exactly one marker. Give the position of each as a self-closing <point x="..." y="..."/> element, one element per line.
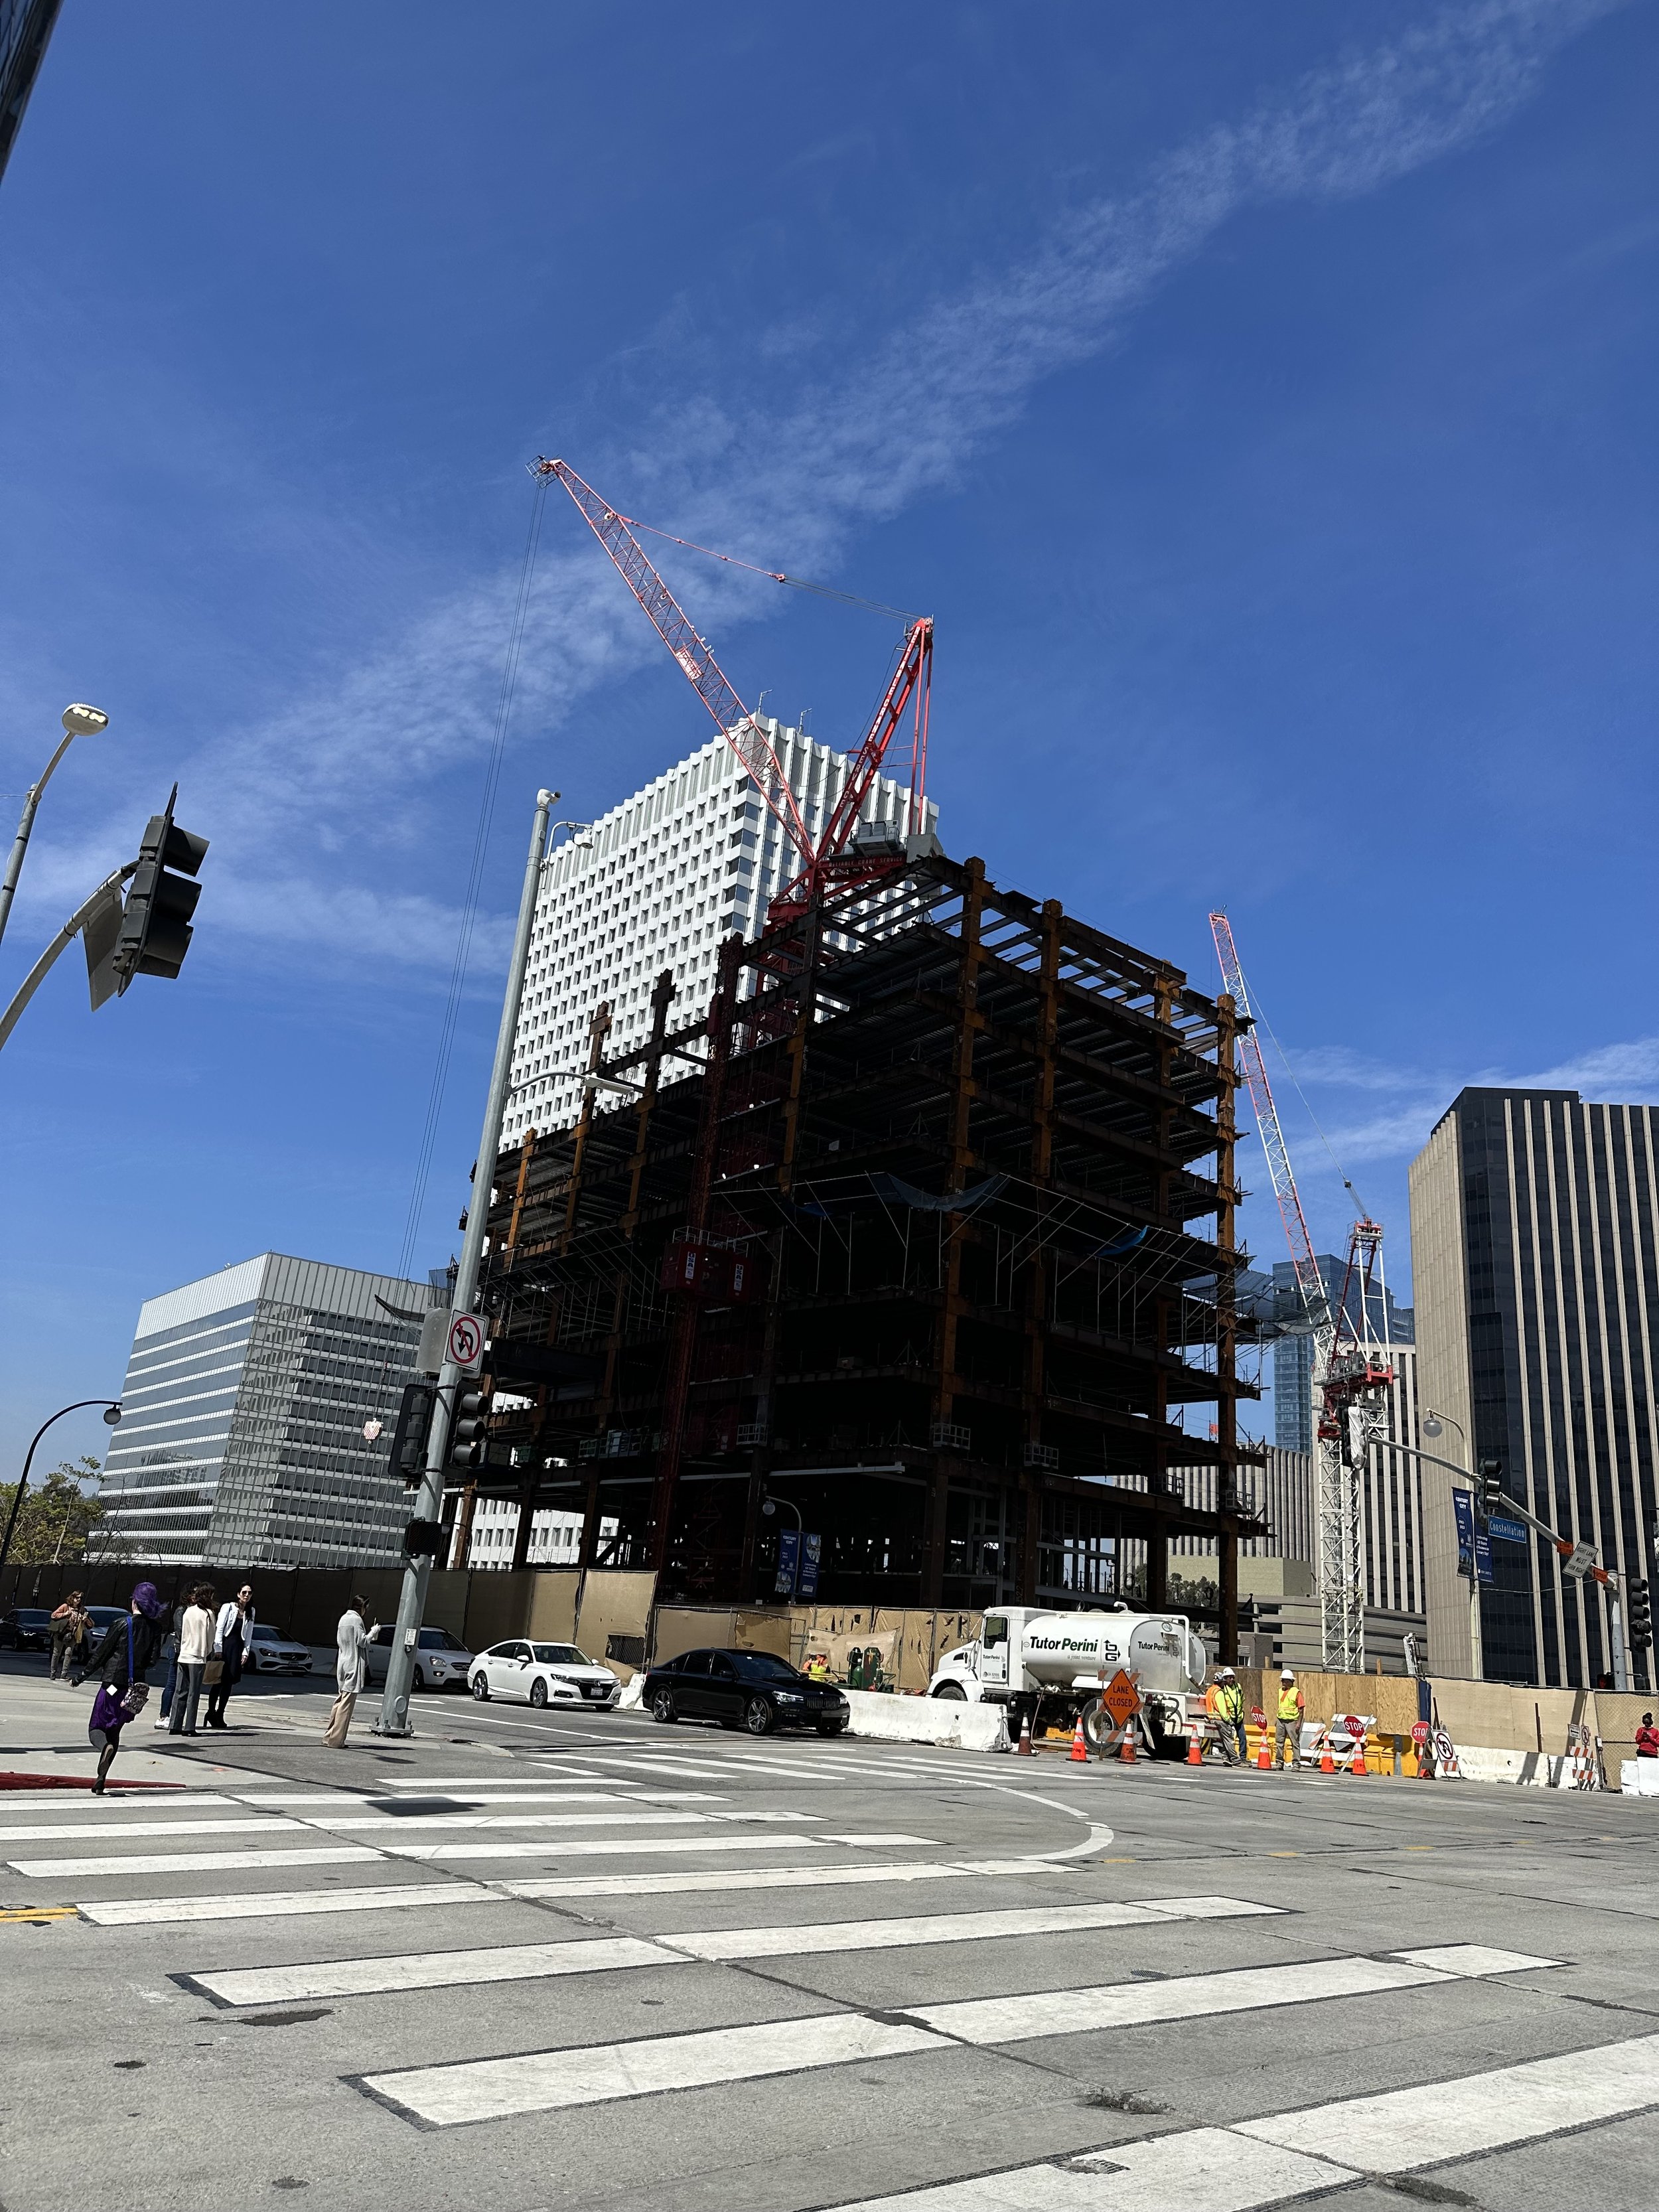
<point x="1534" y="1224"/>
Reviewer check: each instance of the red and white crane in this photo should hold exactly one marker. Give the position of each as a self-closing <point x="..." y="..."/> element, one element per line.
<point x="830" y="861"/>
<point x="1350" y="1372"/>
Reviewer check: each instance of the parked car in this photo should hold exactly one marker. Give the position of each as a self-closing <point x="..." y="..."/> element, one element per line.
<point x="752" y="1690"/>
<point x="102" y="1618"/>
<point x="441" y="1660"/>
<point x="543" y="1675"/>
<point x="26" y="1628"/>
<point x="270" y="1653"/>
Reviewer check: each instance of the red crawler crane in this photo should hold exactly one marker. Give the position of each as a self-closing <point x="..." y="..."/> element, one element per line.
<point x="831" y="861"/>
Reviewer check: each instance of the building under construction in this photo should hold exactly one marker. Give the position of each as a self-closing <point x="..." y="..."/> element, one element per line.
<point x="920" y="1247"/>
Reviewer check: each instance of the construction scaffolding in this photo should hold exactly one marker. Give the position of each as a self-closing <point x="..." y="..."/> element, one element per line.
<point x="924" y="1237"/>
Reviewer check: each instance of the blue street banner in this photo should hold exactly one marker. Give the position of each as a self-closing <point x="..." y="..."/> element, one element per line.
<point x="788" y="1561"/>
<point x="811" y="1554"/>
<point x="1473" y="1550"/>
<point x="1509" y="1532"/>
<point x="1482" y="1553"/>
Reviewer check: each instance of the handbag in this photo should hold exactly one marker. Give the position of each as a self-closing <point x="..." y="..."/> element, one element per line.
<point x="213" y="1672"/>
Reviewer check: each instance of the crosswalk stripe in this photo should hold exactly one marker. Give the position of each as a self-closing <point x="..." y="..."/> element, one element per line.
<point x="553" y="2081"/>
<point x="423" y="1785"/>
<point x="867" y="1840"/>
<point x="1182" y="1996"/>
<point x="822" y="1876"/>
<point x="431" y="1969"/>
<point x="44" y="1832"/>
<point x="550" y="2081"/>
<point x="281" y="1903"/>
<point x="199" y="1862"/>
<point x="1403" y="2128"/>
<point x="1254" y="2164"/>
<point x="604" y="1846"/>
<point x="626" y="1813"/>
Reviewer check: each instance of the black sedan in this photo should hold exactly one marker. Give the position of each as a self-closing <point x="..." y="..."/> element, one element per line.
<point x="26" y="1628"/>
<point x="751" y="1690"/>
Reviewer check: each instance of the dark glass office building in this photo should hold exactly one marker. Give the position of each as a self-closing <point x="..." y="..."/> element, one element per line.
<point x="1533" y="1228"/>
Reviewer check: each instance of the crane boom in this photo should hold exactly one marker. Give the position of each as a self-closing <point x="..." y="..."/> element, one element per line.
<point x="741" y="731"/>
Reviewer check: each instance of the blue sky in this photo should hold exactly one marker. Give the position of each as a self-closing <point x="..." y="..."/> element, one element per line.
<point x="1262" y="407"/>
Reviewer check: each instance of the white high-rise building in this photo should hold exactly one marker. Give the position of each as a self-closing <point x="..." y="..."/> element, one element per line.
<point x="658" y="883"/>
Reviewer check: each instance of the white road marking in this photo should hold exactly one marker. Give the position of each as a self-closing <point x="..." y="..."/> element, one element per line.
<point x="878" y="1839"/>
<point x="281" y="1903"/>
<point x="1206" y="2166"/>
<point x="1474" y="1960"/>
<point x="516" y="1962"/>
<point x="823" y="1876"/>
<point x="554" y="2081"/>
<point x="697" y="1770"/>
<point x="603" y="1846"/>
<point x="1182" y="1996"/>
<point x="199" y="1862"/>
<point x="1403" y="2130"/>
<point x="244" y="1827"/>
<point x="434" y="1969"/>
<point x="427" y="1785"/>
<point x="1323" y="2146"/>
<point x="625" y="1814"/>
<point x="128" y="1801"/>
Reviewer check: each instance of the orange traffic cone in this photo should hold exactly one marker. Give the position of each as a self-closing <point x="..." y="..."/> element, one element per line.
<point x="1127" y="1751"/>
<point x="1264" y="1758"/>
<point x="1080" y="1744"/>
<point x="1023" y="1746"/>
<point x="1327" y="1764"/>
<point x="1195" y="1750"/>
<point x="1358" y="1766"/>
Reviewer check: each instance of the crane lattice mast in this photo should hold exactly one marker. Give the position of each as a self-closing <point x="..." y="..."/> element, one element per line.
<point x="1348" y="1380"/>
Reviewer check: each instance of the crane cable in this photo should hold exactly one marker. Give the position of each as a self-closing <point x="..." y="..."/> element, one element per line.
<point x="777" y="575"/>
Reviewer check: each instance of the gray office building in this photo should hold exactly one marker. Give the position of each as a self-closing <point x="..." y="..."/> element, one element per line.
<point x="244" y="1407"/>
<point x="1534" y="1220"/>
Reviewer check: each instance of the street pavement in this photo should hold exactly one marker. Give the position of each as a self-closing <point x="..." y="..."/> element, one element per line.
<point x="527" y="1961"/>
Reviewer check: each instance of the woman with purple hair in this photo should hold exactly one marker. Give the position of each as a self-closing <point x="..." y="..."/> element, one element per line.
<point x="120" y="1662"/>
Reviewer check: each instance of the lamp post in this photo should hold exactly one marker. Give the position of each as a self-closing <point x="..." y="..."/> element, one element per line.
<point x="1436" y="1425"/>
<point x="111" y="1415"/>
<point x="79" y="721"/>
<point x="428" y="1505"/>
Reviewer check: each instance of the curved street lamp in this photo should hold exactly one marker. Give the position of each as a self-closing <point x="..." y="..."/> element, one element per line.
<point x="79" y="721"/>
<point x="111" y="1415"/>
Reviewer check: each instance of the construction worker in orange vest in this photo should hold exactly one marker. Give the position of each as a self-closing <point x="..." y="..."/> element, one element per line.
<point x="1287" y="1736"/>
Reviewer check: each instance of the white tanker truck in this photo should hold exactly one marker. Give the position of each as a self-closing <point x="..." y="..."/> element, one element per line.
<point x="1056" y="1664"/>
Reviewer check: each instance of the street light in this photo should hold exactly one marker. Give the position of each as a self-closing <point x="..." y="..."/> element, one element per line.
<point x="79" y="721"/>
<point x="111" y="1415"/>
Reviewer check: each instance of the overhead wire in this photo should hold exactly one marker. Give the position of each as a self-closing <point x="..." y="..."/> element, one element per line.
<point x="474" y="886"/>
<point x="777" y="575"/>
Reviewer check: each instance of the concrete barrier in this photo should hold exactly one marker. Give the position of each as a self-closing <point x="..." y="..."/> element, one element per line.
<point x="927" y="1720"/>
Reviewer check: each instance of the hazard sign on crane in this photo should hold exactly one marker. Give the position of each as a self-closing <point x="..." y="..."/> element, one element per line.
<point x="834" y="862"/>
<point x="1352" y="1372"/>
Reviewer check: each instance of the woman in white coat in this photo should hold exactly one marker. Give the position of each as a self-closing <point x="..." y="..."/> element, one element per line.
<point x="351" y="1670"/>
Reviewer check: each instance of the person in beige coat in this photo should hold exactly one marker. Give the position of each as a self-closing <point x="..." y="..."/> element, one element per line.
<point x="351" y="1670"/>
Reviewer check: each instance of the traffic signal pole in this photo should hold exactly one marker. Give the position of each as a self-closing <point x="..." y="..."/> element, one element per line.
<point x="429" y="1507"/>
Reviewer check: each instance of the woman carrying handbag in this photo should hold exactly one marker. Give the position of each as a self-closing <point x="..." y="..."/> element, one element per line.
<point x="121" y="1662"/>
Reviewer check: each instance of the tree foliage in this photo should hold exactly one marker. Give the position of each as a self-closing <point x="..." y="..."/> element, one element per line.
<point x="61" y="1518"/>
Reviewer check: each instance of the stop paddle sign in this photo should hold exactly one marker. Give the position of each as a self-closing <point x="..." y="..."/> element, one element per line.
<point x="1420" y="1732"/>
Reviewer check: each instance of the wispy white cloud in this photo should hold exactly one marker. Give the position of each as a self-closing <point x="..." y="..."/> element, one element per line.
<point x="368" y="746"/>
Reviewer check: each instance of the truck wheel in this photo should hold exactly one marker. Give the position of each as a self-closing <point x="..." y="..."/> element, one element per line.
<point x="954" y="1691"/>
<point x="1096" y="1727"/>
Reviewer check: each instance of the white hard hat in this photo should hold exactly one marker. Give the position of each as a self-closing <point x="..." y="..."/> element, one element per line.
<point x="1287" y="1676"/>
<point x="1223" y="1674"/>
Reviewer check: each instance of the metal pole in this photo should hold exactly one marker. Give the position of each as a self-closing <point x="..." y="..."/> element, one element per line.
<point x="60" y="944"/>
<point x="417" y="1573"/>
<point x="20" y="844"/>
<point x="23" y="1479"/>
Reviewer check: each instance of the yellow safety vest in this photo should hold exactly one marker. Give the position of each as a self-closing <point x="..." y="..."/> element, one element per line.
<point x="1290" y="1701"/>
<point x="1230" y="1701"/>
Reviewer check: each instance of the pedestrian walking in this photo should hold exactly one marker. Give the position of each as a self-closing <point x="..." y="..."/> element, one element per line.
<point x="170" y="1651"/>
<point x="121" y="1662"/>
<point x="69" y="1623"/>
<point x="1228" y="1712"/>
<point x="232" y="1632"/>
<point x="1287" y="1736"/>
<point x="351" y="1670"/>
<point x="195" y="1651"/>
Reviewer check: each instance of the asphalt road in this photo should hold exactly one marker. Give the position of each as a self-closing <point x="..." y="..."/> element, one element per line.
<point x="526" y="1962"/>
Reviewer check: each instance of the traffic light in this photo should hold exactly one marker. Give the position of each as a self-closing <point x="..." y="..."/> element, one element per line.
<point x="155" y="929"/>
<point x="1492" y="1485"/>
<point x="408" y="1439"/>
<point x="1638" y="1614"/>
<point x="468" y="1443"/>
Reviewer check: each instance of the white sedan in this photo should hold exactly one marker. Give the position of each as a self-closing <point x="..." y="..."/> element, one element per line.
<point x="270" y="1653"/>
<point x="543" y="1675"/>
